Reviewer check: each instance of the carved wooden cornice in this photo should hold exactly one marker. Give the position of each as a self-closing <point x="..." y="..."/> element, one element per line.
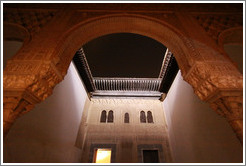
<point x="165" y="63"/>
<point x="127" y="87"/>
<point x="84" y="69"/>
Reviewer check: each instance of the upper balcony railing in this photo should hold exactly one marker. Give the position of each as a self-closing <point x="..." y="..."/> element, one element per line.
<point x="127" y="84"/>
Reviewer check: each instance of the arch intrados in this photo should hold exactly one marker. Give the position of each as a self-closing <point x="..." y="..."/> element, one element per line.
<point x="15" y="32"/>
<point x="88" y="30"/>
<point x="231" y="36"/>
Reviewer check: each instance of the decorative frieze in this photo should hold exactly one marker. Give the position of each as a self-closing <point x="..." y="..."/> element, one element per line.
<point x="165" y="63"/>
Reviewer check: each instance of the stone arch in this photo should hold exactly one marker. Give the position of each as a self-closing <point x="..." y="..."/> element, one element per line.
<point x="232" y="35"/>
<point x="16" y="32"/>
<point x="206" y="76"/>
<point x="15" y="38"/>
<point x="86" y="31"/>
<point x="231" y="42"/>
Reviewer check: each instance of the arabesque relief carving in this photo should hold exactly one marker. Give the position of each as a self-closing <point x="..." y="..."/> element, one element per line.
<point x="13" y="107"/>
<point x="26" y="84"/>
<point x="32" y="21"/>
<point x="215" y="24"/>
<point x="231" y="107"/>
<point x="220" y="84"/>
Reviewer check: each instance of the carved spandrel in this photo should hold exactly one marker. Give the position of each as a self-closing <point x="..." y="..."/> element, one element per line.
<point x="215" y="24"/>
<point x="38" y="77"/>
<point x="33" y="21"/>
<point x="208" y="77"/>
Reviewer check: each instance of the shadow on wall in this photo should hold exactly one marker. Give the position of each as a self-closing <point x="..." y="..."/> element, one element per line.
<point x="48" y="132"/>
<point x="197" y="133"/>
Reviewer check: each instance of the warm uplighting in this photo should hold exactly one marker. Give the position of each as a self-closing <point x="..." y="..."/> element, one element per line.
<point x="103" y="156"/>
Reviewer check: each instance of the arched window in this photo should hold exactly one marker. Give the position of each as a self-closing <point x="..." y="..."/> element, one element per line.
<point x="149" y="117"/>
<point x="103" y="117"/>
<point x="110" y="116"/>
<point x="142" y="117"/>
<point x="126" y="118"/>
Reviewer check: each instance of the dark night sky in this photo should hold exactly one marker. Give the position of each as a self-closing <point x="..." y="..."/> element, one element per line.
<point x="124" y="55"/>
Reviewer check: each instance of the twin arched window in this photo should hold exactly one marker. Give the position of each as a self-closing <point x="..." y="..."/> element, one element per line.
<point x="109" y="118"/>
<point x="143" y="117"/>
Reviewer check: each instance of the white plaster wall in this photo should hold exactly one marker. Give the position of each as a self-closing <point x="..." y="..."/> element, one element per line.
<point x="196" y="132"/>
<point x="120" y="133"/>
<point x="48" y="133"/>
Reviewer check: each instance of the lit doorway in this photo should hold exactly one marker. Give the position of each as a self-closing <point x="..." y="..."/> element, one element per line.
<point x="102" y="156"/>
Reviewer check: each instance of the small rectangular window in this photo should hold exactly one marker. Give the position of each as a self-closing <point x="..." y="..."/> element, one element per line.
<point x="150" y="156"/>
<point x="102" y="156"/>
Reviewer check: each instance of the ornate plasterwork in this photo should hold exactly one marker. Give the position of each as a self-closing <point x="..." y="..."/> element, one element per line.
<point x="13" y="107"/>
<point x="38" y="77"/>
<point x="216" y="23"/>
<point x="32" y="20"/>
<point x="26" y="84"/>
<point x="221" y="85"/>
<point x="230" y="106"/>
<point x="208" y="77"/>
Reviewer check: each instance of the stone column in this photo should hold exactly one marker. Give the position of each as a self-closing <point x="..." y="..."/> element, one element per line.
<point x="26" y="83"/>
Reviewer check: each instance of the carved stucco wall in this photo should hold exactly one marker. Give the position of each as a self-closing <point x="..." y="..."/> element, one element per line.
<point x="197" y="133"/>
<point x="48" y="133"/>
<point x="50" y="61"/>
<point x="126" y="136"/>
